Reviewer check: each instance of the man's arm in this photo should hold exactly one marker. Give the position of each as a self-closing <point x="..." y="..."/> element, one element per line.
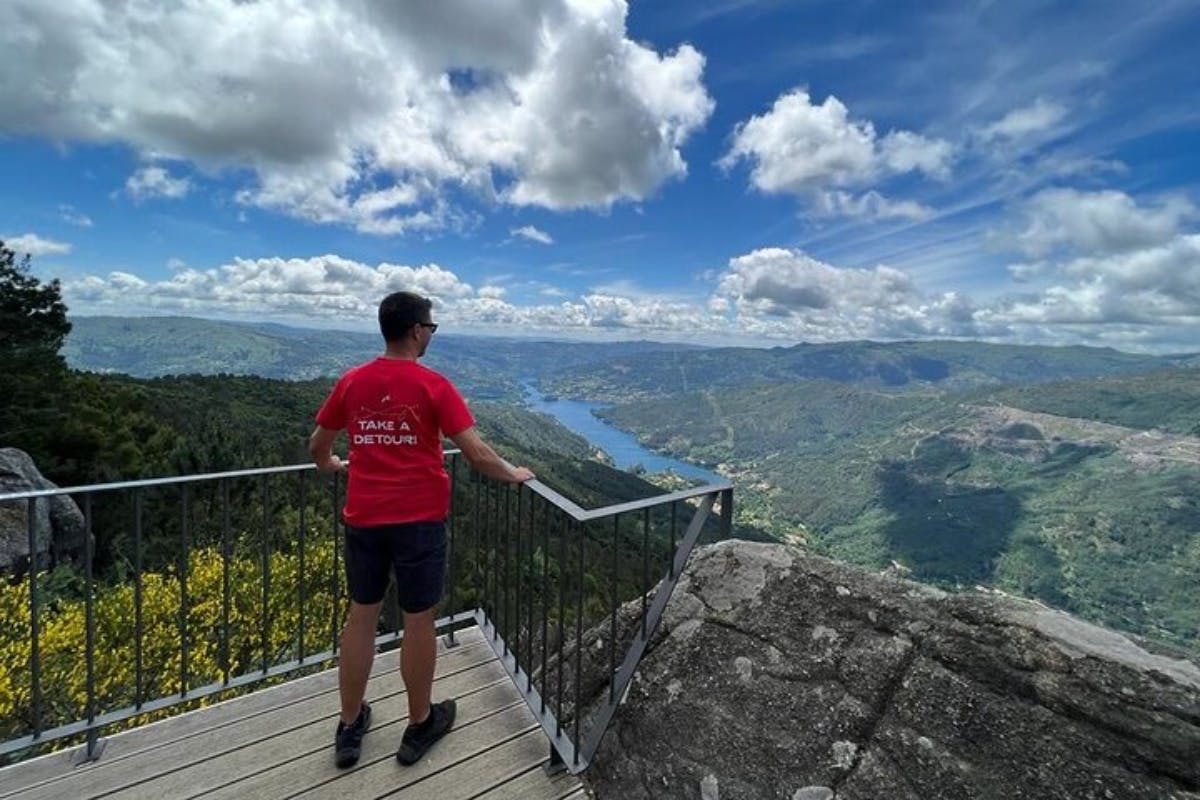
<point x="320" y="448"/>
<point x="483" y="458"/>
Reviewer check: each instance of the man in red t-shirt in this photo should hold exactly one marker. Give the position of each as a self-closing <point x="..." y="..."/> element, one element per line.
<point x="395" y="413"/>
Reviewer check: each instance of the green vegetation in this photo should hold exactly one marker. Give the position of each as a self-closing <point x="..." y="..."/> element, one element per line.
<point x="149" y="347"/>
<point x="1167" y="399"/>
<point x="891" y="365"/>
<point x="973" y="488"/>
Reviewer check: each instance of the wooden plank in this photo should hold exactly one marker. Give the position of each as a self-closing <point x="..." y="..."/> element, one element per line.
<point x="178" y="741"/>
<point x="535" y="783"/>
<point x="483" y="771"/>
<point x="382" y="775"/>
<point x="483" y="686"/>
<point x="316" y="769"/>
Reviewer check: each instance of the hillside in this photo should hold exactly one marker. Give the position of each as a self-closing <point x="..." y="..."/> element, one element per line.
<point x="894" y="365"/>
<point x="1094" y="517"/>
<point x="483" y="367"/>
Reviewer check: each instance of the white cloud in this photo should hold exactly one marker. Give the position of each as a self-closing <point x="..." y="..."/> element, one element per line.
<point x="150" y="182"/>
<point x="1156" y="285"/>
<point x="365" y="114"/>
<point x="69" y="214"/>
<point x="781" y="282"/>
<point x="810" y="150"/>
<point x="1107" y="265"/>
<point x="35" y="245"/>
<point x="871" y="204"/>
<point x="1096" y="222"/>
<point x="1147" y="300"/>
<point x="1041" y="115"/>
<point x="532" y="234"/>
<point x="323" y="286"/>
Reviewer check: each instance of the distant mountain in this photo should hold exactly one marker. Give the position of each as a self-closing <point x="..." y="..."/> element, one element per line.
<point x="891" y="365"/>
<point x="484" y="367"/>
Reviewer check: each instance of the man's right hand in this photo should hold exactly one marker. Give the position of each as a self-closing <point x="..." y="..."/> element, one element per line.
<point x="331" y="464"/>
<point x="521" y="474"/>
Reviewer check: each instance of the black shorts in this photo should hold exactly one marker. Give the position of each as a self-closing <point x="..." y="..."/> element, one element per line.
<point x="416" y="551"/>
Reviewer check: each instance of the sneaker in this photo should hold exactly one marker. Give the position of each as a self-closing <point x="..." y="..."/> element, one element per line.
<point x="419" y="738"/>
<point x="348" y="741"/>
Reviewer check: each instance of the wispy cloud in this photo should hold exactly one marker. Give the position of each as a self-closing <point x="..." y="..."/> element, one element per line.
<point x="532" y="234"/>
<point x="69" y="214"/>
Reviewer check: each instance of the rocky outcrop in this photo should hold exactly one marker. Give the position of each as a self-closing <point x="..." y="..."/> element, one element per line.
<point x="57" y="523"/>
<point x="776" y="674"/>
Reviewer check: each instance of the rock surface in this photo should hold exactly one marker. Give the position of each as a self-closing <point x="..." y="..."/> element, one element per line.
<point x="776" y="674"/>
<point x="58" y="522"/>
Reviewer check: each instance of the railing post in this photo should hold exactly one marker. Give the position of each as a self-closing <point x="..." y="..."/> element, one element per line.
<point x="302" y="573"/>
<point x="266" y="574"/>
<point x="139" y="684"/>
<point x="226" y="587"/>
<point x="183" y="601"/>
<point x="554" y="765"/>
<point x="335" y="586"/>
<point x="95" y="747"/>
<point x="451" y="555"/>
<point x="35" y="659"/>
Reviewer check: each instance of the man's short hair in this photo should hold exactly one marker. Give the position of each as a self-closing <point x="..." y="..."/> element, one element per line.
<point x="399" y="311"/>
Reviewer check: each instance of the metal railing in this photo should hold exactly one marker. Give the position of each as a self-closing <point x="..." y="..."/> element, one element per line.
<point x="530" y="567"/>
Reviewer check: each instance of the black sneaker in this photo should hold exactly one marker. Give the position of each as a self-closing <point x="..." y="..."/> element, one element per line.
<point x="419" y="738"/>
<point x="348" y="741"/>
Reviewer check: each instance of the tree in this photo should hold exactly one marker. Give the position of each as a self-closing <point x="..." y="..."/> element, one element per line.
<point x="33" y="317"/>
<point x="33" y="326"/>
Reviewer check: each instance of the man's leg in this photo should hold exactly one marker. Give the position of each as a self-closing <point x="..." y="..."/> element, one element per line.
<point x="418" y="657"/>
<point x="357" y="655"/>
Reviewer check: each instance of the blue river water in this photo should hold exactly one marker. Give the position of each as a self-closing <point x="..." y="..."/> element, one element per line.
<point x="626" y="451"/>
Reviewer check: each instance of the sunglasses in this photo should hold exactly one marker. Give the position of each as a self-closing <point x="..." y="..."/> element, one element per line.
<point x="433" y="326"/>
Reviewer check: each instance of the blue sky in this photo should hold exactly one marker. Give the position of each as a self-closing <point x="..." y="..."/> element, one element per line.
<point x="745" y="171"/>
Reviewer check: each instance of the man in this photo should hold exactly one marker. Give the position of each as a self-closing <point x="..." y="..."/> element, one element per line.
<point x="395" y="412"/>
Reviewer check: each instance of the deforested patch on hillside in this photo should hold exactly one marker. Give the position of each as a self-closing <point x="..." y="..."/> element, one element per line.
<point x="1019" y="431"/>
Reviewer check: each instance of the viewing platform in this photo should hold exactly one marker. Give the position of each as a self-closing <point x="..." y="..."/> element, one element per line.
<point x="230" y="579"/>
<point x="278" y="743"/>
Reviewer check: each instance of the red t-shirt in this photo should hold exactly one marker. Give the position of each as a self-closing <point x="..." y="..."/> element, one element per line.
<point x="395" y="413"/>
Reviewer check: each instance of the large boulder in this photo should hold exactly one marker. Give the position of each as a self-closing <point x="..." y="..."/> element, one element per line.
<point x="58" y="524"/>
<point x="776" y="674"/>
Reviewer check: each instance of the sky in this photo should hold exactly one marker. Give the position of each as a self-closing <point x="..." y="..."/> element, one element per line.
<point x="727" y="172"/>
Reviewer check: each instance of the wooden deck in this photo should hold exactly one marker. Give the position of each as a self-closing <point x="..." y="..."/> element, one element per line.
<point x="278" y="743"/>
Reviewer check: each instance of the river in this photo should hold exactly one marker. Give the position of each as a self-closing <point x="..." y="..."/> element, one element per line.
<point x="626" y="451"/>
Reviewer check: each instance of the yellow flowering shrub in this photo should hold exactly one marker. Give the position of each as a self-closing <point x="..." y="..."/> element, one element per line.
<point x="62" y="638"/>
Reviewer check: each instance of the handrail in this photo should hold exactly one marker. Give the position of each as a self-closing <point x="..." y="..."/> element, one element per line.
<point x="576" y="511"/>
<point x="513" y="605"/>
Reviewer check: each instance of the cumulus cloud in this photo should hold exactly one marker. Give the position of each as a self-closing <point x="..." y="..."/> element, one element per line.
<point x="1148" y="300"/>
<point x="532" y="234"/>
<point x="784" y="293"/>
<point x="365" y="114"/>
<point x="1041" y="115"/>
<point x="1097" y="222"/>
<point x="150" y="182"/>
<point x="34" y="245"/>
<point x="1105" y="262"/>
<point x="810" y="150"/>
<point x="323" y="286"/>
